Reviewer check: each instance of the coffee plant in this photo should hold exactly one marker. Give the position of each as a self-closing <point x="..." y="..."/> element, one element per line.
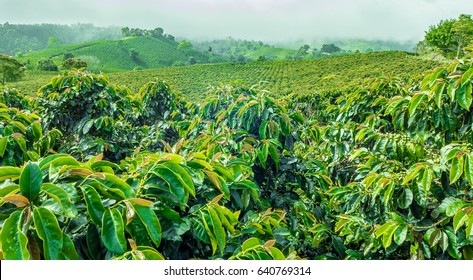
<point x="381" y="171"/>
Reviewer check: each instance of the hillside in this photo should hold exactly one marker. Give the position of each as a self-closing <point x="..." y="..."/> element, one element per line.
<point x="115" y="55"/>
<point x="279" y="77"/>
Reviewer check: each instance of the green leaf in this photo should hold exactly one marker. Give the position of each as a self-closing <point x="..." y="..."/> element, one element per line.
<point x="467" y="76"/>
<point x="150" y="221"/>
<point x="456" y="169"/>
<point x="276" y="254"/>
<point x="49" y="231"/>
<point x="251" y="244"/>
<point x="175" y="181"/>
<point x="459" y="219"/>
<point x="94" y="204"/>
<point x="468" y="169"/>
<point x="414" y="103"/>
<point x="262" y="130"/>
<point x="406" y="198"/>
<point x="31" y="180"/>
<point x="3" y="145"/>
<point x="87" y="126"/>
<point x="68" y="251"/>
<point x="9" y="172"/>
<point x="463" y="96"/>
<point x="400" y="235"/>
<point x="469" y="227"/>
<point x="14" y="241"/>
<point x="205" y="223"/>
<point x="61" y="197"/>
<point x="388" y="235"/>
<point x="273" y="152"/>
<point x="114" y="182"/>
<point x="150" y="253"/>
<point x="113" y="231"/>
<point x="218" y="230"/>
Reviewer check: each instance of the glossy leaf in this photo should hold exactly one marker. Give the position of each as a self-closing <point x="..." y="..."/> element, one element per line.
<point x="113" y="231"/>
<point x="14" y="241"/>
<point x="31" y="180"/>
<point x="49" y="231"/>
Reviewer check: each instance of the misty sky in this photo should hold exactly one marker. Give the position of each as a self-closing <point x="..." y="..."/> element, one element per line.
<point x="269" y="20"/>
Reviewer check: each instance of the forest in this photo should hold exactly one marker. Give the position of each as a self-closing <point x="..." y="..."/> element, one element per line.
<point x="365" y="156"/>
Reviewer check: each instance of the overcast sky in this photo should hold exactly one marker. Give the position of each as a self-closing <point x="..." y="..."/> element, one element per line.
<point x="269" y="20"/>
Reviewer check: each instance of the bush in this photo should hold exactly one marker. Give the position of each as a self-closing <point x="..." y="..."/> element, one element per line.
<point x="46" y="64"/>
<point x="71" y="63"/>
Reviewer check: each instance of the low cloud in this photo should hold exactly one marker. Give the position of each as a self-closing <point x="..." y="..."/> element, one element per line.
<point x="267" y="20"/>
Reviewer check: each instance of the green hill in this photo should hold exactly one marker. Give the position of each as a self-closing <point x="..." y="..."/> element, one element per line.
<point x="114" y="55"/>
<point x="271" y="53"/>
<point x="280" y="77"/>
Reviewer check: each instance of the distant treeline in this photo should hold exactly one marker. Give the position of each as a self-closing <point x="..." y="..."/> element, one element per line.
<point x="17" y="39"/>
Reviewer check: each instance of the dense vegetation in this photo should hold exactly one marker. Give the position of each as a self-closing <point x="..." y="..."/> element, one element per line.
<point x="19" y="39"/>
<point x="381" y="171"/>
<point x="280" y="78"/>
<point x="138" y="52"/>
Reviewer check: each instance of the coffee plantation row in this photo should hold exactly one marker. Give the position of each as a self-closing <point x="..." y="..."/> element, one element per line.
<point x="89" y="170"/>
<point x="281" y="78"/>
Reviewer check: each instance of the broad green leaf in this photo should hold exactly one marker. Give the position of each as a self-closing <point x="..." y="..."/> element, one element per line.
<point x="406" y="198"/>
<point x="113" y="231"/>
<point x="58" y="160"/>
<point x="14" y="241"/>
<point x="68" y="251"/>
<point x="61" y="197"/>
<point x="251" y="244"/>
<point x="467" y="76"/>
<point x="150" y="253"/>
<point x="9" y="172"/>
<point x="3" y="145"/>
<point x="176" y="183"/>
<point x="459" y="219"/>
<point x="49" y="231"/>
<point x="276" y="254"/>
<point x="7" y="190"/>
<point x="114" y="182"/>
<point x="31" y="180"/>
<point x="94" y="204"/>
<point x="456" y="169"/>
<point x="218" y="230"/>
<point x="263" y="129"/>
<point x="414" y="103"/>
<point x="273" y="152"/>
<point x="469" y="169"/>
<point x="205" y="223"/>
<point x="464" y="97"/>
<point x="469" y="226"/>
<point x="150" y="221"/>
<point x="400" y="235"/>
<point x="388" y="235"/>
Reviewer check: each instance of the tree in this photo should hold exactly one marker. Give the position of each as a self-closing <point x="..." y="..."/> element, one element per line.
<point x="54" y="42"/>
<point x="462" y="32"/>
<point x="10" y="69"/>
<point x="330" y="48"/>
<point x="71" y="63"/>
<point x="184" y="46"/>
<point x="46" y="64"/>
<point x="133" y="53"/>
<point x="157" y="32"/>
<point x="451" y="36"/>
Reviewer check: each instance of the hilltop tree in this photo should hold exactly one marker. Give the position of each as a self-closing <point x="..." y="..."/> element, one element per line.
<point x="330" y="48"/>
<point x="184" y="46"/>
<point x="10" y="69"/>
